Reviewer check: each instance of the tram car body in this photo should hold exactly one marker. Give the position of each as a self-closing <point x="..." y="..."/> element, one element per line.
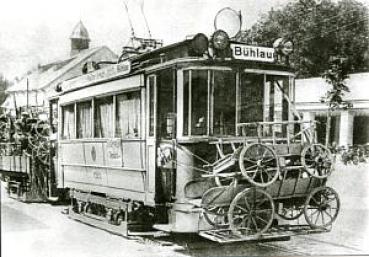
<point x="170" y="138"/>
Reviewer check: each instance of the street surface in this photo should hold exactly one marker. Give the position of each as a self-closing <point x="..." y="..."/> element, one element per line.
<point x="41" y="230"/>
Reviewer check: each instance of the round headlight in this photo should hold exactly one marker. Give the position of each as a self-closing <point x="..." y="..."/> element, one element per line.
<point x="200" y="44"/>
<point x="220" y="40"/>
<point x="283" y="46"/>
<point x="287" y="47"/>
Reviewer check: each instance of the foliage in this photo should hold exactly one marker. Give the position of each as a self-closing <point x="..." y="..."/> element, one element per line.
<point x="4" y="84"/>
<point x="336" y="76"/>
<point x="318" y="31"/>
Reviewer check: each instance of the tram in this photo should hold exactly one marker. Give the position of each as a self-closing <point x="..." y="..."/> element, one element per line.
<point x="200" y="136"/>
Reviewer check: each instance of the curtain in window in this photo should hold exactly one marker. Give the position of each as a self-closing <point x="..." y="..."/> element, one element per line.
<point x="128" y="115"/>
<point x="68" y="122"/>
<point x="104" y="116"/>
<point x="84" y="120"/>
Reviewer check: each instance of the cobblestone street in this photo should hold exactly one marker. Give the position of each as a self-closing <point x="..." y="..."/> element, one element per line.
<point x="41" y="230"/>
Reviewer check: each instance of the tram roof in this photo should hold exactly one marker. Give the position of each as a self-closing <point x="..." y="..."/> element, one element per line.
<point x="177" y="54"/>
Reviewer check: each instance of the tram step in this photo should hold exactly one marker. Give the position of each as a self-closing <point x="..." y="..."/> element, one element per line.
<point x="121" y="230"/>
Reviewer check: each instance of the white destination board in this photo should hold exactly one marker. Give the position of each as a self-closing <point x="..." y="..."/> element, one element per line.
<point x="252" y="53"/>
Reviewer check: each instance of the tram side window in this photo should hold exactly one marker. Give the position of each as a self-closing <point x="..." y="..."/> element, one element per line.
<point x="128" y="115"/>
<point x="69" y="130"/>
<point x="84" y="120"/>
<point x="224" y="102"/>
<point x="103" y="117"/>
<point x="196" y="93"/>
<point x="152" y="82"/>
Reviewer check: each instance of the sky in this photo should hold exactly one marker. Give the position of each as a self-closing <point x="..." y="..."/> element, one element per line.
<point x="36" y="32"/>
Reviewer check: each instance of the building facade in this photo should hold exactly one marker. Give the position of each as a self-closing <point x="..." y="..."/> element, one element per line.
<point x="349" y="126"/>
<point x="33" y="89"/>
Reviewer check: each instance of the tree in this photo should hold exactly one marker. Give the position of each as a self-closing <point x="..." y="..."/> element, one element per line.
<point x="335" y="76"/>
<point x="318" y="32"/>
<point x="4" y="84"/>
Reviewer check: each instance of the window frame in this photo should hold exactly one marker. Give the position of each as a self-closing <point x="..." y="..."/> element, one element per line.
<point x="210" y="96"/>
<point x="93" y="118"/>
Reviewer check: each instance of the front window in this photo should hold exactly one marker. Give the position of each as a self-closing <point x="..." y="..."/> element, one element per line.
<point x="215" y="100"/>
<point x="224" y="95"/>
<point x="251" y="97"/>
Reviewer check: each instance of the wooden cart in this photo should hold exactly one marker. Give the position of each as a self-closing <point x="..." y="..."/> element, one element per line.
<point x="277" y="179"/>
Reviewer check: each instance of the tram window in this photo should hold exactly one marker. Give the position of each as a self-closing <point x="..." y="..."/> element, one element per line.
<point x="84" y="120"/>
<point x="68" y="122"/>
<point x="54" y="117"/>
<point x="196" y="89"/>
<point x="251" y="97"/>
<point x="165" y="113"/>
<point x="128" y="115"/>
<point x="277" y="87"/>
<point x="224" y="102"/>
<point x="186" y="90"/>
<point x="103" y="117"/>
<point x="199" y="103"/>
<point x="152" y="80"/>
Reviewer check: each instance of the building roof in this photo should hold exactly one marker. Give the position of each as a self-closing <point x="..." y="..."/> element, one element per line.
<point x="48" y="73"/>
<point x="80" y="32"/>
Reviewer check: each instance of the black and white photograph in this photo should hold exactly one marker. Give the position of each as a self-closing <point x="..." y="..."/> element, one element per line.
<point x="184" y="128"/>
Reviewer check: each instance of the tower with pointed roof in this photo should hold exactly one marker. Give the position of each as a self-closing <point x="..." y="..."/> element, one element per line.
<point x="80" y="40"/>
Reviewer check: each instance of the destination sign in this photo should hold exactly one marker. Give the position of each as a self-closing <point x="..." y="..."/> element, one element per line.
<point x="109" y="72"/>
<point x="252" y="53"/>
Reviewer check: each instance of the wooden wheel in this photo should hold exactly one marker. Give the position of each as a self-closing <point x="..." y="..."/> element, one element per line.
<point x="251" y="212"/>
<point x="321" y="207"/>
<point x="317" y="160"/>
<point x="215" y="203"/>
<point x="217" y="216"/>
<point x="290" y="212"/>
<point x="259" y="164"/>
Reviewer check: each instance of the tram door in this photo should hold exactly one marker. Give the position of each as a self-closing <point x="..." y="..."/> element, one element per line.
<point x="161" y="131"/>
<point x="151" y="139"/>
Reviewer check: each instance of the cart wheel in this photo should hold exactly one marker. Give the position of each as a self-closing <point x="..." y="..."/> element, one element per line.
<point x="215" y="203"/>
<point x="259" y="164"/>
<point x="317" y="160"/>
<point x="251" y="212"/>
<point x="217" y="216"/>
<point x="291" y="212"/>
<point x="321" y="207"/>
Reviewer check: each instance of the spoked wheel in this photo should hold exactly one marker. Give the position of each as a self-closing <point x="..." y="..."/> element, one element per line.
<point x="251" y="212"/>
<point x="217" y="216"/>
<point x="259" y="164"/>
<point x="290" y="212"/>
<point x="321" y="207"/>
<point x="215" y="203"/>
<point x="317" y="160"/>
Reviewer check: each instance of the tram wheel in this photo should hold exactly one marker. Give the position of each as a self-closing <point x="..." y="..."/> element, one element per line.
<point x="259" y="164"/>
<point x="317" y="160"/>
<point x="321" y="207"/>
<point x="251" y="212"/>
